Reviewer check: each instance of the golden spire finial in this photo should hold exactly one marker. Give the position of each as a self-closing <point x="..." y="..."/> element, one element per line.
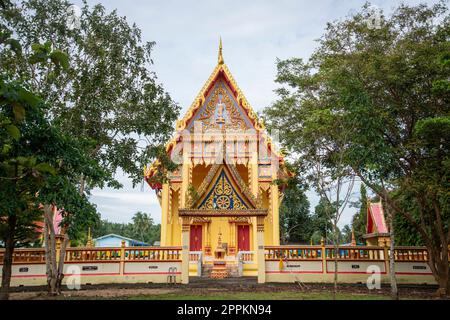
<point x="220" y="57"/>
<point x="353" y="237"/>
<point x="89" y="242"/>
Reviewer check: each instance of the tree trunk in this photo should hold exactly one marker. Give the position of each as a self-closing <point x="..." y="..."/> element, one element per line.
<point x="393" y="279"/>
<point x="50" y="249"/>
<point x="8" y="257"/>
<point x="336" y="253"/>
<point x="438" y="262"/>
<point x="48" y="268"/>
<point x="62" y="256"/>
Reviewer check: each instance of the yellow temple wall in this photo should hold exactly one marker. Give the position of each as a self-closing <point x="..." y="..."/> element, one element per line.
<point x="172" y="232"/>
<point x="172" y="200"/>
<point x="175" y="226"/>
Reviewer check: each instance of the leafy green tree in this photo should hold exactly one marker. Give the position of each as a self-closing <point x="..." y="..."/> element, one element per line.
<point x="142" y="224"/>
<point x="295" y="221"/>
<point x="346" y="234"/>
<point x="109" y="94"/>
<point x="38" y="163"/>
<point x="387" y="87"/>
<point x="321" y="221"/>
<point x="359" y="220"/>
<point x="405" y="233"/>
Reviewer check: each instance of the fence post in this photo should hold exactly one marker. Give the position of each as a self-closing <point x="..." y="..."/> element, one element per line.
<point x="199" y="264"/>
<point x="58" y="248"/>
<point x="122" y="258"/>
<point x="185" y="229"/>
<point x="387" y="264"/>
<point x="260" y="250"/>
<point x="324" y="258"/>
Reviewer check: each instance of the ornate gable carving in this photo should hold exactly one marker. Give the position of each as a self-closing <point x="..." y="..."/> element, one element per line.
<point x="221" y="110"/>
<point x="223" y="189"/>
<point x="223" y="195"/>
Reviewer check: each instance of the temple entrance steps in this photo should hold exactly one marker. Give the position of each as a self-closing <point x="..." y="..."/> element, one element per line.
<point x="232" y="270"/>
<point x="233" y="282"/>
<point x="209" y="266"/>
<point x="206" y="270"/>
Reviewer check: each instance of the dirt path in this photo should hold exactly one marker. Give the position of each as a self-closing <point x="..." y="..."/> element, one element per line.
<point x="91" y="293"/>
<point x="200" y="287"/>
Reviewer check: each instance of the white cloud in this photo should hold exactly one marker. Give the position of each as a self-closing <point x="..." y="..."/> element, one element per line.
<point x="128" y="196"/>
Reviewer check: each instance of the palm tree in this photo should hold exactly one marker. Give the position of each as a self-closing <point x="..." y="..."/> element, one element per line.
<point x="142" y="223"/>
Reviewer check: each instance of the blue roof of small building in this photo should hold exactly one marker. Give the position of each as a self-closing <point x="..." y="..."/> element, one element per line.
<point x="133" y="242"/>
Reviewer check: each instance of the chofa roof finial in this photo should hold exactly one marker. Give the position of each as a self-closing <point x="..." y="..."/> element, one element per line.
<point x="220" y="57"/>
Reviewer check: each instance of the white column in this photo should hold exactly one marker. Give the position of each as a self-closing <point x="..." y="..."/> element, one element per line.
<point x="185" y="229"/>
<point x="165" y="232"/>
<point x="260" y="250"/>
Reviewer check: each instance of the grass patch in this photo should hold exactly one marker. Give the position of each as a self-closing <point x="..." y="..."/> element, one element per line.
<point x="279" y="295"/>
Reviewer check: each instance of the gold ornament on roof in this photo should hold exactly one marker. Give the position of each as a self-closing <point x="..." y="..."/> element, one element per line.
<point x="90" y="242"/>
<point x="220" y="57"/>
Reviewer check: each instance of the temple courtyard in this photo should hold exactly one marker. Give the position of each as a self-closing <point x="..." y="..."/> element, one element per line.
<point x="226" y="289"/>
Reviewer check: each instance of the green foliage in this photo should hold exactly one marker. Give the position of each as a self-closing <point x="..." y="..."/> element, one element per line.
<point x="378" y="97"/>
<point x="192" y="195"/>
<point x="19" y="176"/>
<point x="346" y="234"/>
<point x="405" y="234"/>
<point x="359" y="220"/>
<point x="295" y="221"/>
<point x="107" y="92"/>
<point x="321" y="221"/>
<point x="39" y="163"/>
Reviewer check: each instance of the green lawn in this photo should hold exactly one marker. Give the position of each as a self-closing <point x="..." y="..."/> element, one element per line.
<point x="280" y="295"/>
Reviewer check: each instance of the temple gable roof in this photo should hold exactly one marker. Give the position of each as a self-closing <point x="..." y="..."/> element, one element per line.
<point x="220" y="74"/>
<point x="220" y="88"/>
<point x="376" y="223"/>
<point x="223" y="188"/>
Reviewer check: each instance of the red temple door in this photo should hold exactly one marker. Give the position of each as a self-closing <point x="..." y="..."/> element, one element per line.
<point x="196" y="238"/>
<point x="243" y="238"/>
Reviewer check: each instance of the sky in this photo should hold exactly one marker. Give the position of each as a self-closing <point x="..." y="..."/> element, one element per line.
<point x="254" y="35"/>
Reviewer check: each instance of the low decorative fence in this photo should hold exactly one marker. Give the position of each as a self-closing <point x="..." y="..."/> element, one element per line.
<point x="247" y="263"/>
<point x="280" y="264"/>
<point x="100" y="265"/>
<point x="354" y="264"/>
<point x="195" y="263"/>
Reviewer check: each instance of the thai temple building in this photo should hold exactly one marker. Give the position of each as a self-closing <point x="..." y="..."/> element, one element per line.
<point x="220" y="214"/>
<point x="221" y="201"/>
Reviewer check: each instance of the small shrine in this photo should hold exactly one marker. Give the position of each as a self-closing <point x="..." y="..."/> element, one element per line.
<point x="219" y="270"/>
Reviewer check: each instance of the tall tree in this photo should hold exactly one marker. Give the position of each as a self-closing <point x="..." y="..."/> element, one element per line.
<point x="321" y="159"/>
<point x="35" y="158"/>
<point x="359" y="219"/>
<point x="109" y="94"/>
<point x="346" y="234"/>
<point x="321" y="221"/>
<point x="142" y="224"/>
<point x="388" y="86"/>
<point x="295" y="221"/>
